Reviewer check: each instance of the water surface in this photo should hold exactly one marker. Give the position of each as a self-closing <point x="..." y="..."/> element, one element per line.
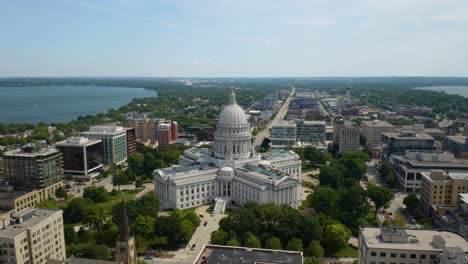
<point x="458" y="90"/>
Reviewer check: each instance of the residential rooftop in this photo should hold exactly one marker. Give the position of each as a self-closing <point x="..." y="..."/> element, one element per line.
<point x="31" y="151"/>
<point x="212" y="254"/>
<point x="30" y="218"/>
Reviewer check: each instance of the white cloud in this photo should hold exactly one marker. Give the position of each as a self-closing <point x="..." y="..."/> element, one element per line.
<point x="267" y="41"/>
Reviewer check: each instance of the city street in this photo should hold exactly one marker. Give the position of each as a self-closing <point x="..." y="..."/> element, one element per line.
<point x="265" y="133"/>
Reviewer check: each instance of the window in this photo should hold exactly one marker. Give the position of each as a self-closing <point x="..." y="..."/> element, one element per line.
<point x="383" y="254"/>
<point x="413" y="256"/>
<point x="403" y="255"/>
<point x="423" y="256"/>
<point x="393" y="255"/>
<point x="373" y="254"/>
<point x="433" y="256"/>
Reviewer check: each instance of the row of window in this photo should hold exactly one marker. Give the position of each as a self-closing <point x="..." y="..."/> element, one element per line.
<point x="401" y="255"/>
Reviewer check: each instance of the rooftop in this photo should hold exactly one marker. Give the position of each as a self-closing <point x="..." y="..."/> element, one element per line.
<point x="407" y="135"/>
<point x="419" y="239"/>
<point x="31" y="217"/>
<point x="78" y="142"/>
<point x="270" y="173"/>
<point x="458" y="139"/>
<point x="229" y="255"/>
<point x="463" y="197"/>
<point x="31" y="151"/>
<point x="194" y="167"/>
<point x="104" y="130"/>
<point x="278" y="154"/>
<point x="377" y="123"/>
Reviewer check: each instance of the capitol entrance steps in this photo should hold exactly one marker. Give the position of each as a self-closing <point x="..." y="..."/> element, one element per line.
<point x="220" y="205"/>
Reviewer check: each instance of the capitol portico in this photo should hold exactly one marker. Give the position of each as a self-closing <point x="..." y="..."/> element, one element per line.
<point x="231" y="172"/>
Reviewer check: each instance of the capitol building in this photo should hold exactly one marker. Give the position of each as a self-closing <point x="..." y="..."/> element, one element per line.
<point x="230" y="173"/>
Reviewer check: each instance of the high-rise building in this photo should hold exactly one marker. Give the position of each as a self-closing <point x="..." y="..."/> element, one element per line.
<point x="346" y="136"/>
<point x="439" y="191"/>
<point x="398" y="245"/>
<point x="33" y="167"/>
<point x="145" y="128"/>
<point x="81" y="155"/>
<point x="398" y="143"/>
<point x="372" y="131"/>
<point x="203" y="133"/>
<point x="409" y="167"/>
<point x="131" y="140"/>
<point x="33" y="236"/>
<point x="310" y="131"/>
<point x="125" y="246"/>
<point x="114" y="142"/>
<point x="167" y="133"/>
<point x="283" y="135"/>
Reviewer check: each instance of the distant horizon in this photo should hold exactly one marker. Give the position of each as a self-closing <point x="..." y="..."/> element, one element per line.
<point x="230" y="77"/>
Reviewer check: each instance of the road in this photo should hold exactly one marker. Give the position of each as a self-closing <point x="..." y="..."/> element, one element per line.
<point x="265" y="133"/>
<point x="201" y="237"/>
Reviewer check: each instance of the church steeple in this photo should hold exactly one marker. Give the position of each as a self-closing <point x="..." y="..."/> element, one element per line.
<point x="232" y="98"/>
<point x="125" y="248"/>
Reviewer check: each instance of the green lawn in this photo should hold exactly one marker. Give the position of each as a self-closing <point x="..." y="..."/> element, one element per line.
<point x="349" y="251"/>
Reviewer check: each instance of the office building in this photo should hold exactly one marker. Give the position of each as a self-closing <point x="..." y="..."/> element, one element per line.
<point x="131" y="140"/>
<point x="114" y="142"/>
<point x="397" y="245"/>
<point x="167" y="133"/>
<point x="20" y="200"/>
<point x="283" y="135"/>
<point x="310" y="132"/>
<point x="33" y="167"/>
<point x="346" y="136"/>
<point x="398" y="143"/>
<point x="230" y="255"/>
<point x="33" y="236"/>
<point x="203" y="133"/>
<point x="372" y="131"/>
<point x="81" y="156"/>
<point x="409" y="167"/>
<point x="230" y="173"/>
<point x="458" y="145"/>
<point x="439" y="191"/>
<point x="145" y="128"/>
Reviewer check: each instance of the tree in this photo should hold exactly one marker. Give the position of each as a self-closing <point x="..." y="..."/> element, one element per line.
<point x="219" y="237"/>
<point x="233" y="242"/>
<point x="324" y="200"/>
<point x="143" y="225"/>
<point x="332" y="175"/>
<point x="336" y="238"/>
<point x="119" y="178"/>
<point x="312" y="260"/>
<point x="314" y="156"/>
<point x="411" y="202"/>
<point x="61" y="193"/>
<point x="379" y="196"/>
<point x="47" y="203"/>
<point x="96" y="194"/>
<point x="295" y="244"/>
<point x="315" y="249"/>
<point x="75" y="210"/>
<point x="138" y="182"/>
<point x="252" y="241"/>
<point x="273" y="243"/>
<point x="135" y="163"/>
<point x="70" y="234"/>
<point x="96" y="216"/>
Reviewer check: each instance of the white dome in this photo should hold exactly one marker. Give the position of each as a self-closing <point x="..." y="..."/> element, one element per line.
<point x="227" y="169"/>
<point x="232" y="115"/>
<point x="265" y="163"/>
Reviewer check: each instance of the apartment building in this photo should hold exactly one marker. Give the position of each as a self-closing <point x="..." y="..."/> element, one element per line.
<point x="20" y="200"/>
<point x="33" y="236"/>
<point x="418" y="246"/>
<point x="33" y="167"/>
<point x="145" y="128"/>
<point x="131" y="140"/>
<point x="439" y="191"/>
<point x="346" y="136"/>
<point x="167" y="133"/>
<point x="114" y="142"/>
<point x="409" y="167"/>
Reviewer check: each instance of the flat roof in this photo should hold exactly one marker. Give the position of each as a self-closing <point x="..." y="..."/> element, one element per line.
<point x="36" y="216"/>
<point x="12" y="194"/>
<point x="424" y="237"/>
<point x="459" y="139"/>
<point x="278" y="154"/>
<point x="274" y="174"/>
<point x="377" y="123"/>
<point x="400" y="136"/>
<point x="230" y="255"/>
<point x="78" y="143"/>
<point x="40" y="151"/>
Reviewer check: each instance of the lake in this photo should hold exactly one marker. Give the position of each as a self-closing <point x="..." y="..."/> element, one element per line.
<point x="458" y="90"/>
<point x="62" y="103"/>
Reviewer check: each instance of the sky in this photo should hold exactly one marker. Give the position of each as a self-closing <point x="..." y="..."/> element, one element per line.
<point x="233" y="38"/>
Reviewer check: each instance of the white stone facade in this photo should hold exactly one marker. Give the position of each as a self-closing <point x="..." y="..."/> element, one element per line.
<point x="230" y="170"/>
